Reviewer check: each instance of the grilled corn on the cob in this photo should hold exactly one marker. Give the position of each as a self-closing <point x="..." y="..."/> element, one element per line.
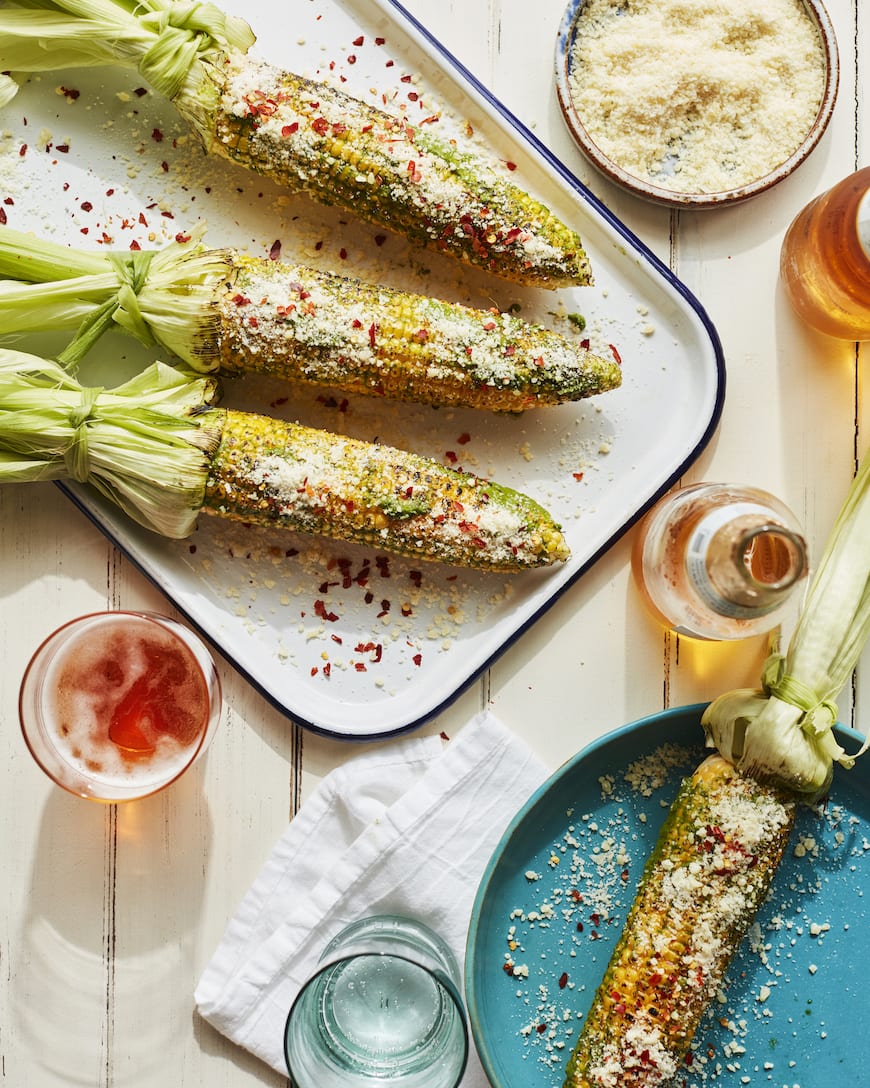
<point x="219" y="309"/>
<point x="318" y="139"/>
<point x="156" y="447"/>
<point x="283" y="474"/>
<point x="310" y="136"/>
<point x="710" y="871"/>
<point x="298" y="323"/>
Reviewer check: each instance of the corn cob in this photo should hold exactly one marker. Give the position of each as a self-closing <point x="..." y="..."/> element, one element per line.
<point x="317" y="139"/>
<point x="274" y="473"/>
<point x="711" y="869"/>
<point x="219" y="309"/>
<point x="309" y="136"/>
<point x="317" y="327"/>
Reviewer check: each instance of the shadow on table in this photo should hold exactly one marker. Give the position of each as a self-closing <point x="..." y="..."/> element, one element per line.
<point x="106" y="968"/>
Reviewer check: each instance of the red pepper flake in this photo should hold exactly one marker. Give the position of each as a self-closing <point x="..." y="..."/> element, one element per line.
<point x="417" y="659"/>
<point x="275" y="251"/>
<point x="63" y="148"/>
<point x="464" y="438"/>
<point x="86" y="206"/>
<point x="380" y="41"/>
<point x="70" y="93"/>
<point x="320" y="125"/>
<point x="413" y="96"/>
<point x="489" y="326"/>
<point x="416" y="576"/>
<point x="181" y="238"/>
<point x="343" y="253"/>
<point x="3" y="218"/>
<point x="288" y="130"/>
<point x="320" y="609"/>
<point x="541" y="1028"/>
<point x="157" y="136"/>
<point x="314" y="670"/>
<point x="373" y="329"/>
<point x="406" y="79"/>
<point x="451" y="457"/>
<point x="360" y="666"/>
<point x="327" y="669"/>
<point x="359" y="41"/>
<point x="142" y="220"/>
<point x="241" y="300"/>
<point x="8" y="201"/>
<point x="351" y="58"/>
<point x="578" y="476"/>
<point x="110" y="192"/>
<point x="380" y="239"/>
<point x="337" y="638"/>
<point x="563" y="980"/>
<point x="22" y="151"/>
<point x="140" y="91"/>
<point x="510" y="165"/>
<point x="134" y="245"/>
<point x="615" y="354"/>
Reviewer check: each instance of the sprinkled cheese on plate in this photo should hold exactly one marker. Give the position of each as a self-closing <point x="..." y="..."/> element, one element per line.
<point x="697" y="95"/>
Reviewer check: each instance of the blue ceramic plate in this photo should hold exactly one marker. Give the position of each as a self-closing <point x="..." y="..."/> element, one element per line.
<point x="558" y="888"/>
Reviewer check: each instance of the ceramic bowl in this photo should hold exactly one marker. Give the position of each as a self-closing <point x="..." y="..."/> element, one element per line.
<point x="568" y="32"/>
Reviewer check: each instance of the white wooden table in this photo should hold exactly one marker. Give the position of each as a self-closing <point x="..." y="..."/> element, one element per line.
<point x="108" y="915"/>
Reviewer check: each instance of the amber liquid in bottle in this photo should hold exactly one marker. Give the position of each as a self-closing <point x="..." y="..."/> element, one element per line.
<point x="825" y="260"/>
<point x="718" y="562"/>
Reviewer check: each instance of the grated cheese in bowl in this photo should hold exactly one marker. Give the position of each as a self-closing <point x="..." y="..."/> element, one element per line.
<point x="697" y="101"/>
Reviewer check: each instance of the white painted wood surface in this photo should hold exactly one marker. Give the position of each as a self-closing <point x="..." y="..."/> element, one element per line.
<point x="108" y="915"/>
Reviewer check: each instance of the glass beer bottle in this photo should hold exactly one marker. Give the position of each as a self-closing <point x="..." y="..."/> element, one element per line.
<point x="716" y="561"/>
<point x="825" y="260"/>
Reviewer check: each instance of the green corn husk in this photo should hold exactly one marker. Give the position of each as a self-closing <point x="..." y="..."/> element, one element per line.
<point x="312" y="137"/>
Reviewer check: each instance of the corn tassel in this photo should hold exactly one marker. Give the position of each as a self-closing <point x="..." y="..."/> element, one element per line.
<point x="281" y="474"/>
<point x="711" y="869"/>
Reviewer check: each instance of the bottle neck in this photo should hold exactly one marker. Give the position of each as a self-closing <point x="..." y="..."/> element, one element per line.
<point x="747" y="565"/>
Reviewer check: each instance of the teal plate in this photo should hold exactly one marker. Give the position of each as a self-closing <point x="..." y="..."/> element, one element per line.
<point x="556" y="891"/>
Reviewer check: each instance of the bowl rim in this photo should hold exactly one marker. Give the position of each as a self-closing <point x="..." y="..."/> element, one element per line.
<point x="657" y="194"/>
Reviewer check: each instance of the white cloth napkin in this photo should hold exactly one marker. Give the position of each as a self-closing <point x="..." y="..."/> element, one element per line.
<point x="405" y="829"/>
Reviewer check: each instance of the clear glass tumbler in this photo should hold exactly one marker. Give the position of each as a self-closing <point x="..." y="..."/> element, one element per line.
<point x="383" y="1006"/>
<point x="116" y="705"/>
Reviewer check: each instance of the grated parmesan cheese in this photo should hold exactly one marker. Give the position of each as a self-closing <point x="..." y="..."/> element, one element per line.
<point x="699" y="96"/>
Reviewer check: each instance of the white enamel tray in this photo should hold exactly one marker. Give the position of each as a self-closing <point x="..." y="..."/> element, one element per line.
<point x="108" y="166"/>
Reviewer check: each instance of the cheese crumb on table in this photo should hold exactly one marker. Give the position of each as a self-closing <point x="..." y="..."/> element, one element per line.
<point x="697" y="95"/>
